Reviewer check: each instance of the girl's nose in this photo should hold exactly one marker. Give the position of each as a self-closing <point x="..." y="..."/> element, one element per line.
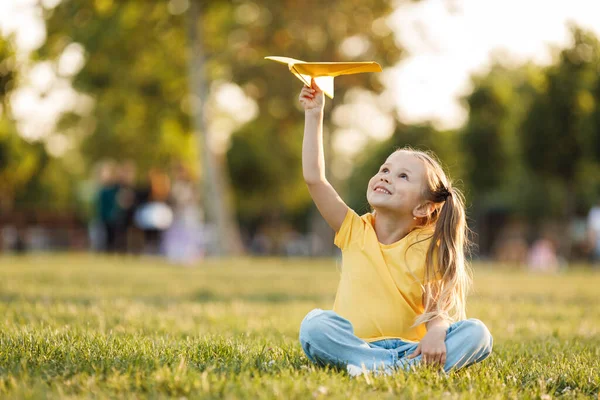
<point x="385" y="179"/>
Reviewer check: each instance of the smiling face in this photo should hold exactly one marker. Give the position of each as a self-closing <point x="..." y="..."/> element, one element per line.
<point x="398" y="186"/>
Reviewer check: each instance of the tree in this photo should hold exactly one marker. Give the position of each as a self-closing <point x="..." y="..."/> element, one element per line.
<point x="137" y="60"/>
<point x="136" y="70"/>
<point x="532" y="137"/>
<point x="497" y="177"/>
<point x="19" y="160"/>
<point x="560" y="132"/>
<point x="215" y="179"/>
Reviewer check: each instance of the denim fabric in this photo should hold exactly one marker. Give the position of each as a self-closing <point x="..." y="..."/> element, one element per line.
<point x="328" y="339"/>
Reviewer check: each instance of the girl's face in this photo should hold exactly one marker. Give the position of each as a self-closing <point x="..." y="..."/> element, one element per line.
<point x="398" y="185"/>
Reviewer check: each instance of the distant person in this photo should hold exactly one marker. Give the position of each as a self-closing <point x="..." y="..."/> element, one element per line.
<point x="127" y="201"/>
<point x="542" y="256"/>
<point x="183" y="240"/>
<point x="106" y="206"/>
<point x="404" y="279"/>
<point x="593" y="222"/>
<point x="154" y="214"/>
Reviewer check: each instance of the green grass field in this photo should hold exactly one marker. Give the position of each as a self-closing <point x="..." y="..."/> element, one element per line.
<point x="80" y="327"/>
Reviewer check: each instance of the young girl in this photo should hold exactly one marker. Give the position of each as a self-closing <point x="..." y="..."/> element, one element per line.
<point x="404" y="277"/>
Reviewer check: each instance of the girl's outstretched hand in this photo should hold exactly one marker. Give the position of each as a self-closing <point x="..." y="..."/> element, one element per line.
<point x="312" y="98"/>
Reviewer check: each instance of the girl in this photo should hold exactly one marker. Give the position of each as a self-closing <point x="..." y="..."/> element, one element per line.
<point x="404" y="278"/>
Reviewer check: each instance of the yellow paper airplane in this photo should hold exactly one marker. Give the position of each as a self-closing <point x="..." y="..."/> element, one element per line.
<point x="324" y="72"/>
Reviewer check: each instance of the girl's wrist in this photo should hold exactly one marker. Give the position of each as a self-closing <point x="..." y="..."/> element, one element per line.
<point x="437" y="328"/>
<point x="438" y="324"/>
<point x="314" y="112"/>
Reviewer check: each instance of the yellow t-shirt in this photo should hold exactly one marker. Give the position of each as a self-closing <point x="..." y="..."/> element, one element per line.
<point x="380" y="285"/>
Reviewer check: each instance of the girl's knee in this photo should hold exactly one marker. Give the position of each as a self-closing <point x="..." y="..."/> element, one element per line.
<point x="317" y="333"/>
<point x="319" y="324"/>
<point x="315" y="324"/>
<point x="478" y="335"/>
<point x="472" y="343"/>
<point x="310" y="320"/>
<point x="311" y="315"/>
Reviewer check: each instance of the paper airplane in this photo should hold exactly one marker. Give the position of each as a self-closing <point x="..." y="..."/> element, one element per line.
<point x="324" y="72"/>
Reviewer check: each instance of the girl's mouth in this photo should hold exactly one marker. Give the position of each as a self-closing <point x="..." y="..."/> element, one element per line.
<point x="380" y="189"/>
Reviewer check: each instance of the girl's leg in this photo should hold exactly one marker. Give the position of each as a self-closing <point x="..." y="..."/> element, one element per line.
<point x="467" y="342"/>
<point x="329" y="339"/>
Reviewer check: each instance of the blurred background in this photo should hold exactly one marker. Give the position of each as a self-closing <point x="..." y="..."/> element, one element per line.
<point x="157" y="128"/>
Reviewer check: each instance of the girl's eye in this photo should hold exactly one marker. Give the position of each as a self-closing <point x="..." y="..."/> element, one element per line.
<point x="384" y="170"/>
<point x="403" y="176"/>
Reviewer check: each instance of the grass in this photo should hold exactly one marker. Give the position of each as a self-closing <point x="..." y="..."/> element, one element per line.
<point x="89" y="327"/>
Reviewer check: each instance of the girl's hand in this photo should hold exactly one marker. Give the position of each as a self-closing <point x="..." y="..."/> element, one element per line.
<point x="432" y="347"/>
<point x="312" y="98"/>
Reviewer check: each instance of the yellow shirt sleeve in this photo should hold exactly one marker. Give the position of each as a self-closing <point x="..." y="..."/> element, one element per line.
<point x="352" y="229"/>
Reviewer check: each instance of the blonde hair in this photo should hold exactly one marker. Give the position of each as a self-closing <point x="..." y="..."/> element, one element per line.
<point x="447" y="273"/>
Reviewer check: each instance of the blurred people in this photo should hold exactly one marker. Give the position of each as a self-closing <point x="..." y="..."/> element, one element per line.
<point x="183" y="241"/>
<point x="154" y="215"/>
<point x="13" y="236"/>
<point x="511" y="246"/>
<point x="593" y="222"/>
<point x="127" y="201"/>
<point x="542" y="256"/>
<point x="261" y="243"/>
<point x="106" y="207"/>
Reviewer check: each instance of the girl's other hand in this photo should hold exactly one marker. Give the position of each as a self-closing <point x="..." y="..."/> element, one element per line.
<point x="312" y="98"/>
<point x="432" y="348"/>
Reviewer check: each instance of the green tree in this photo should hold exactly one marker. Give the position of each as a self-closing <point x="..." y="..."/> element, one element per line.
<point x="532" y="137"/>
<point x="560" y="132"/>
<point x="497" y="179"/>
<point x="137" y="59"/>
<point x="137" y="71"/>
<point x="19" y="160"/>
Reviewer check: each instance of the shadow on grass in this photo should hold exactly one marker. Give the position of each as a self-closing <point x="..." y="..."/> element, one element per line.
<point x="208" y="296"/>
<point x="533" y="298"/>
<point x="202" y="296"/>
<point x="274" y="297"/>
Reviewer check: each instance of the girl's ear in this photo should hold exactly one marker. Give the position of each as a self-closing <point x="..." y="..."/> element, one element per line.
<point x="423" y="210"/>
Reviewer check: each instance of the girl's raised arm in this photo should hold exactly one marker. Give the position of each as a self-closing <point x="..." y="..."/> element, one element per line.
<point x="329" y="203"/>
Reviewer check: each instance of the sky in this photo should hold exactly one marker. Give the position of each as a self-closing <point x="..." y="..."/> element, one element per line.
<point x="446" y="40"/>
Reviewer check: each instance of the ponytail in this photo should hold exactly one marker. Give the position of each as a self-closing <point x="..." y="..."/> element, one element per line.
<point x="447" y="274"/>
<point x="447" y="277"/>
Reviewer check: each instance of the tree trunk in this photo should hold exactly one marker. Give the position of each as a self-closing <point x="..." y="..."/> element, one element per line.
<point x="213" y="177"/>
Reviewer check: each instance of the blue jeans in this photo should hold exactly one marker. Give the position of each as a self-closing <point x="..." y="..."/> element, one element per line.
<point x="328" y="339"/>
